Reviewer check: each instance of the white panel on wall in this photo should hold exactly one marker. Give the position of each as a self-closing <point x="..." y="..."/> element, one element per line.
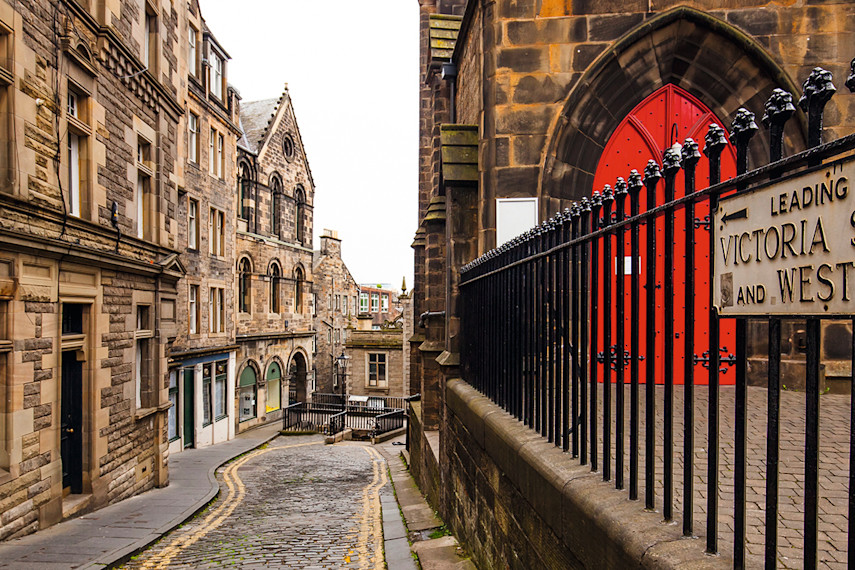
<point x="513" y="217"/>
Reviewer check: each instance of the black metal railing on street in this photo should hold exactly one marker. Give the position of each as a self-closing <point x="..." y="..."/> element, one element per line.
<point x="552" y="333"/>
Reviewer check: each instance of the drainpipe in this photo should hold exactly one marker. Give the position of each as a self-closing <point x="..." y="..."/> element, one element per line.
<point x="449" y="73"/>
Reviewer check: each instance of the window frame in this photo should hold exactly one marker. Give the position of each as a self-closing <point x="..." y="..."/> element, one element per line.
<point x="216" y="232"/>
<point x="192" y="224"/>
<point x="193" y="51"/>
<point x="378" y="365"/>
<point x="245" y="286"/>
<point x="217" y="73"/>
<point x="193" y="136"/>
<point x="363" y="302"/>
<point x="193" y="312"/>
<point x="375" y="303"/>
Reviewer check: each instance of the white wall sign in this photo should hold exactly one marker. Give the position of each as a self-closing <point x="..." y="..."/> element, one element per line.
<point x="788" y="248"/>
<point x="513" y="217"/>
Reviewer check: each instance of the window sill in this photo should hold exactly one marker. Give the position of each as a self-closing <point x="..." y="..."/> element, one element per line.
<point x="244" y="420"/>
<point x="218" y="418"/>
<point x="143" y="413"/>
<point x="204" y="425"/>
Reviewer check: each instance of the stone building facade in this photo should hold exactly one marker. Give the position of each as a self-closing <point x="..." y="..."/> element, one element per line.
<point x="273" y="275"/>
<point x="203" y="354"/>
<point x="376" y="366"/>
<point x="89" y="260"/>
<point x="336" y="297"/>
<point x="519" y="100"/>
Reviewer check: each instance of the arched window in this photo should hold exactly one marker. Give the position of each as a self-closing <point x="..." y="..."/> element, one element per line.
<point x="300" y="226"/>
<point x="299" y="280"/>
<point x="274" y="387"/>
<point x="276" y="208"/>
<point x="246" y="392"/>
<point x="244" y="286"/>
<point x="244" y="190"/>
<point x="275" y="288"/>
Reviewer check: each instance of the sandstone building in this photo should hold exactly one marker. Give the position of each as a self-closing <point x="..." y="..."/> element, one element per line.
<point x="336" y="296"/>
<point x="274" y="328"/>
<point x="202" y="357"/>
<point x="89" y="261"/>
<point x="524" y="104"/>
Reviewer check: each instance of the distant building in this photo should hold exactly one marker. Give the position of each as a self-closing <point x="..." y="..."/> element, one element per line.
<point x="274" y="263"/>
<point x="378" y="306"/>
<point x="336" y="297"/>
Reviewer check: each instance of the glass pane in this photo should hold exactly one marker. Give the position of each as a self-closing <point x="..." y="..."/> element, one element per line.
<point x="173" y="414"/>
<point x="206" y="400"/>
<point x="220" y="396"/>
<point x="273" y="395"/>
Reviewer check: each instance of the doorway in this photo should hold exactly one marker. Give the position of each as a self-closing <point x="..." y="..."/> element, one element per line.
<point x="189" y="408"/>
<point x="298" y="370"/>
<point x="71" y="422"/>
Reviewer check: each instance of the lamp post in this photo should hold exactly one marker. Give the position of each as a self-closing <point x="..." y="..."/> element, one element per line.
<point x="341" y="371"/>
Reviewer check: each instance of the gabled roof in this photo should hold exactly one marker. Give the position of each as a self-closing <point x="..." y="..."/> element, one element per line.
<point x="255" y="117"/>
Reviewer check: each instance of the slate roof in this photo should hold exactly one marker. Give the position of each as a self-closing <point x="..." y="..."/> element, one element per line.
<point x="255" y="117"/>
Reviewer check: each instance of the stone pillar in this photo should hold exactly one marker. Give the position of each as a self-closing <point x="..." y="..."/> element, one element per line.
<point x="433" y="319"/>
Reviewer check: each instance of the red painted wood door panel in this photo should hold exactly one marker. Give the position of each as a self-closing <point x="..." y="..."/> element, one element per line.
<point x="667" y="116"/>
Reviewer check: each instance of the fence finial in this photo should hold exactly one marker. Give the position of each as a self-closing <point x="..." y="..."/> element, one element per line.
<point x="777" y="111"/>
<point x="689" y="154"/>
<point x="818" y="90"/>
<point x="620" y="187"/>
<point x="634" y="183"/>
<point x="671" y="160"/>
<point x="652" y="174"/>
<point x="741" y="131"/>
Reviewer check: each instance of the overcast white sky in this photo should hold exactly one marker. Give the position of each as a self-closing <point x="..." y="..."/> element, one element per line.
<point x="352" y="70"/>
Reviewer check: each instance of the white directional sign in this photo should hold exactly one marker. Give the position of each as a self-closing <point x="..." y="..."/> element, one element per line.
<point x="788" y="248"/>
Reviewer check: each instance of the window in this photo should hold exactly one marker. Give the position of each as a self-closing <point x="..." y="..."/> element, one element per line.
<point x="216" y="310"/>
<point x="212" y="154"/>
<point x="300" y="198"/>
<point x="288" y="147"/>
<point x="298" y="290"/>
<point x="193" y="138"/>
<point x="375" y="302"/>
<point x="338" y="302"/>
<point x="247" y="393"/>
<point x="221" y="370"/>
<point x="275" y="288"/>
<point x="193" y="309"/>
<point x="216" y="74"/>
<point x="5" y="349"/>
<point x="192" y="56"/>
<point x="207" y="411"/>
<point x="384" y="305"/>
<point x="336" y="336"/>
<point x="78" y="145"/>
<point x="276" y="208"/>
<point x="274" y="387"/>
<point x="244" y="275"/>
<point x="376" y="369"/>
<point x="192" y="224"/>
<point x="145" y="384"/>
<point x="143" y="199"/>
<point x="217" y="233"/>
<point x="172" y="418"/>
<point x="244" y="186"/>
<point x="221" y="158"/>
<point x="150" y="38"/>
<point x="363" y="302"/>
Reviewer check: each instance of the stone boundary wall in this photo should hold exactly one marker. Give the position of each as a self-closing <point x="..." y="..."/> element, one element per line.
<point x="423" y="465"/>
<point x="516" y="501"/>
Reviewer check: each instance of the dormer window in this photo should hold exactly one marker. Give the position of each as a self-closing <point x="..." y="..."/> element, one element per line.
<point x="217" y="75"/>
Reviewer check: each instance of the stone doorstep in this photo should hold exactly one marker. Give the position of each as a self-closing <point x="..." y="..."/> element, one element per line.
<point x="75" y="504"/>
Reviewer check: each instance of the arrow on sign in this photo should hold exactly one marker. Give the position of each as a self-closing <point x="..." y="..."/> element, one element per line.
<point x="738" y="215"/>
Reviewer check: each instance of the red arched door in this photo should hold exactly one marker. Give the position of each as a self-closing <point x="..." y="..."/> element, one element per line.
<point x="667" y="116"/>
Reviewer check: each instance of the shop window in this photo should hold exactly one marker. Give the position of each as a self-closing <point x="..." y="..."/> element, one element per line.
<point x="221" y="375"/>
<point x="172" y="418"/>
<point x="207" y="411"/>
<point x="274" y="387"/>
<point x="247" y="393"/>
<point x="146" y="390"/>
<point x="376" y="370"/>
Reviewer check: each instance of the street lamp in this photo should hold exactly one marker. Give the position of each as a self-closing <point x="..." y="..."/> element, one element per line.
<point x="341" y="371"/>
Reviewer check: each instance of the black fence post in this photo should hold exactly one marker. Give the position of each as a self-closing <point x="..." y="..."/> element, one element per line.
<point x="576" y="213"/>
<point x="742" y="129"/>
<point x="584" y="315"/>
<point x="652" y="175"/>
<point x="596" y="207"/>
<point x="608" y="201"/>
<point x="778" y="109"/>
<point x="634" y="186"/>
<point x="620" y="381"/>
<point x="689" y="157"/>
<point x="715" y="142"/>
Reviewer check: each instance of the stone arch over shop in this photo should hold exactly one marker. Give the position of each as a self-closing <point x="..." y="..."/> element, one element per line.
<point x="247" y="391"/>
<point x="273" y="376"/>
<point x="298" y="374"/>
<point x="713" y="61"/>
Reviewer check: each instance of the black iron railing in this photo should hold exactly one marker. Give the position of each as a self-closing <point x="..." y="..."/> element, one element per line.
<point x="327" y="417"/>
<point x="389" y="421"/>
<point x="552" y="335"/>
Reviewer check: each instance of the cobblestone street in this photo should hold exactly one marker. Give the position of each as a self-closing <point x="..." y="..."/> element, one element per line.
<point x="295" y="503"/>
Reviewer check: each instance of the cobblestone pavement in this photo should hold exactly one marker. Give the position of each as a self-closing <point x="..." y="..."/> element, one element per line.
<point x="295" y="503"/>
<point x="833" y="471"/>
